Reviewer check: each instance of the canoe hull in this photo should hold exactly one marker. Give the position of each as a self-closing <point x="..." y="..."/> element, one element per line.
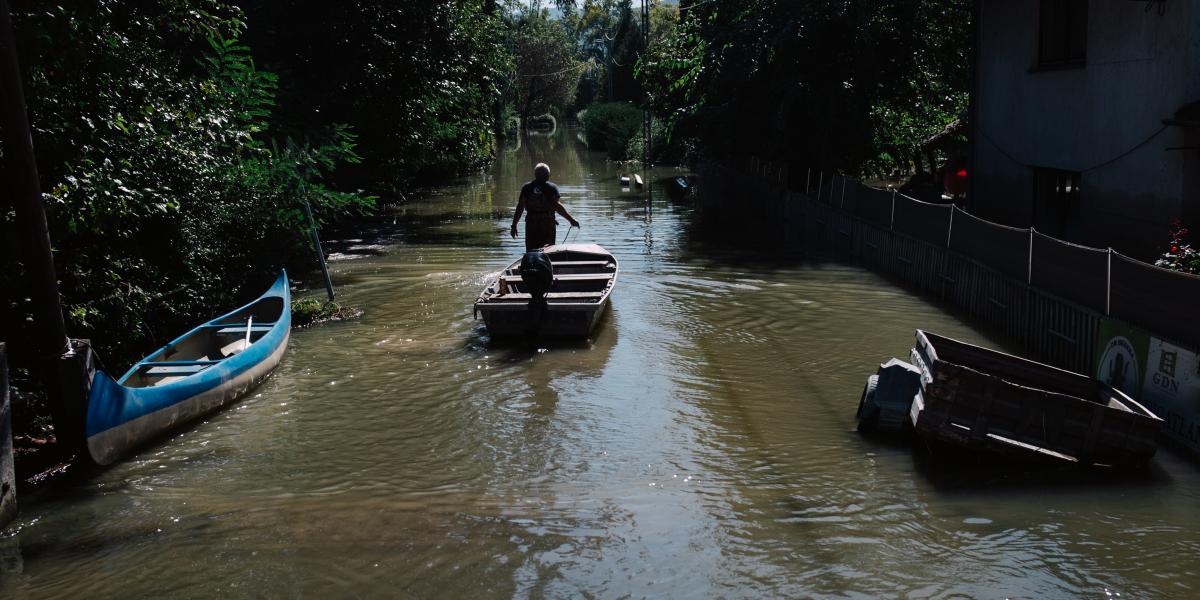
<point x="121" y="418"/>
<point x="111" y="444"/>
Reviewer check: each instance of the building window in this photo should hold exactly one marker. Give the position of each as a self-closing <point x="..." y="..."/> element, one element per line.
<point x="1062" y="32"/>
<point x="1056" y="202"/>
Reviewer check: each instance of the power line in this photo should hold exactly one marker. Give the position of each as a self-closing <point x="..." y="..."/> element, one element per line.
<point x="1110" y="161"/>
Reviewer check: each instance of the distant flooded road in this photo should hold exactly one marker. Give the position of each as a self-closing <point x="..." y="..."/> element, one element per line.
<point x="702" y="445"/>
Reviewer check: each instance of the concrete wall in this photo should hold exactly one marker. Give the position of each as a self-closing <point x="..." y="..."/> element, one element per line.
<point x="1141" y="67"/>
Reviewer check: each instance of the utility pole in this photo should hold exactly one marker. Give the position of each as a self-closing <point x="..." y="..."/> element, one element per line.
<point x="55" y="357"/>
<point x="647" y="134"/>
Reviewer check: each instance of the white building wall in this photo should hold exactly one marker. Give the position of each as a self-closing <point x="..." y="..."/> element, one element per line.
<point x="1141" y="67"/>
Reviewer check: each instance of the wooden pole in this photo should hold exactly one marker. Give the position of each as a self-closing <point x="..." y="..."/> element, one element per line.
<point x="50" y="344"/>
<point x="316" y="240"/>
<point x="21" y="177"/>
<point x="8" y="482"/>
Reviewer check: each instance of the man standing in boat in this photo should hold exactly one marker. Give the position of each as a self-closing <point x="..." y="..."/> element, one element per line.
<point x="541" y="200"/>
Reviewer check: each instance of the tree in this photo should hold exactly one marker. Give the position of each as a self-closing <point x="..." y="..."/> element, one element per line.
<point x="826" y="83"/>
<point x="547" y="68"/>
<point x="165" y="196"/>
<point x="418" y="80"/>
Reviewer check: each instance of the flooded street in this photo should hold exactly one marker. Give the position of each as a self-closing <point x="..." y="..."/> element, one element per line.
<point x="701" y="445"/>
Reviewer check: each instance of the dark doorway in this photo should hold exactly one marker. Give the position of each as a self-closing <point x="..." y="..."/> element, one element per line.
<point x="1056" y="202"/>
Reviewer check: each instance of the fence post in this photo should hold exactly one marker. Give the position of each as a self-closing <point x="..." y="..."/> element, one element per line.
<point x="820" y="185"/>
<point x="892" y="222"/>
<point x="8" y="483"/>
<point x="950" y="227"/>
<point x="1108" y="286"/>
<point x="808" y="181"/>
<point x="843" y="202"/>
<point x="1029" y="273"/>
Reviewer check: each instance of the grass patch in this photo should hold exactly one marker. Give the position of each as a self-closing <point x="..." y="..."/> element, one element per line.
<point x="307" y="312"/>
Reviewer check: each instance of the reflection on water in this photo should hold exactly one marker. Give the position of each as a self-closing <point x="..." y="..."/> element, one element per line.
<point x="702" y="444"/>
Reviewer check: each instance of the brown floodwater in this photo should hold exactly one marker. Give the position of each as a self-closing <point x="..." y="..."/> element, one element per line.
<point x="702" y="444"/>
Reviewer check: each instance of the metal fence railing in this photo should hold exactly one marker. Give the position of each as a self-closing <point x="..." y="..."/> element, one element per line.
<point x="1047" y="293"/>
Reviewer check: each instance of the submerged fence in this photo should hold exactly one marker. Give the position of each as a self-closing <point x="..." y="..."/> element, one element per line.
<point x="1047" y="294"/>
<point x="8" y="484"/>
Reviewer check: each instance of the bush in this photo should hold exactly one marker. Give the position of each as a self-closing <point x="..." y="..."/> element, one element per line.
<point x="610" y="126"/>
<point x="664" y="150"/>
<point x="165" y="199"/>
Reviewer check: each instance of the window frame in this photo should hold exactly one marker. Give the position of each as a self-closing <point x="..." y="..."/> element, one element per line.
<point x="1064" y="36"/>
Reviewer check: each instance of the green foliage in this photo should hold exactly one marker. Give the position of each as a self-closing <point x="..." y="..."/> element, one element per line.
<point x="824" y="83"/>
<point x="547" y="69"/>
<point x="420" y="82"/>
<point x="312" y="311"/>
<point x="165" y="198"/>
<point x="611" y="126"/>
<point x="608" y="34"/>
<point x="663" y="149"/>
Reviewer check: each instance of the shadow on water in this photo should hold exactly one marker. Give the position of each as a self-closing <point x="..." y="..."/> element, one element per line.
<point x="952" y="470"/>
<point x="737" y="243"/>
<point x="541" y="364"/>
<point x="949" y="468"/>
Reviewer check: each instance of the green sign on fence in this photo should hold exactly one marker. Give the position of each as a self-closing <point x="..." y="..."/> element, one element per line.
<point x="1162" y="376"/>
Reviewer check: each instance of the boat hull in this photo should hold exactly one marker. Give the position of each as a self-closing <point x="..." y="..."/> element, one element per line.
<point x="122" y="418"/>
<point x="983" y="400"/>
<point x="558" y="322"/>
<point x="584" y="278"/>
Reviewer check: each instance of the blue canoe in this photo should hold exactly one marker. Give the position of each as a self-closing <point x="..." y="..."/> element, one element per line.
<point x="201" y="371"/>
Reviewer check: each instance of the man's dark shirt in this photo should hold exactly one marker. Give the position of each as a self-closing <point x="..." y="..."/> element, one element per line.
<point x="540" y="196"/>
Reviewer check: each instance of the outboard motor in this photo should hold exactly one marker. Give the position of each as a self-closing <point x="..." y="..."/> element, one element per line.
<point x="537" y="273"/>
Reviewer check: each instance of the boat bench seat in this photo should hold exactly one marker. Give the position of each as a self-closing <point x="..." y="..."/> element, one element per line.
<point x="580" y="263"/>
<point x="241" y="329"/>
<point x="550" y="296"/>
<point x="564" y="277"/>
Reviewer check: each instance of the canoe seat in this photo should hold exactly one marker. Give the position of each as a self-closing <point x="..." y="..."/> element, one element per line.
<point x="234" y="347"/>
<point x="176" y="370"/>
<point x="241" y="329"/>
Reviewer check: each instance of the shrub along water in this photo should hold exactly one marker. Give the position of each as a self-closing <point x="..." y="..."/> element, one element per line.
<point x="610" y="126"/>
<point x="173" y="165"/>
<point x="165" y="200"/>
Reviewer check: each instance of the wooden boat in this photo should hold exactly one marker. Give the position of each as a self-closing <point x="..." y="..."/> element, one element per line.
<point x="584" y="277"/>
<point x="986" y="400"/>
<point x="204" y="369"/>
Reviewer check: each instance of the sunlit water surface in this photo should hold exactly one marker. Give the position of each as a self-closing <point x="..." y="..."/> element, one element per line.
<point x="702" y="444"/>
